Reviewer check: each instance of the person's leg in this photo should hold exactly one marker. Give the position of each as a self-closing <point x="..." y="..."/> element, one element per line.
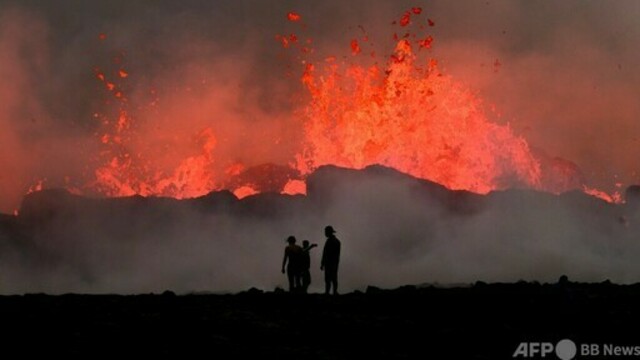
<point x="306" y="280"/>
<point x="291" y="277"/>
<point x="332" y="281"/>
<point x="327" y="281"/>
<point x="298" y="281"/>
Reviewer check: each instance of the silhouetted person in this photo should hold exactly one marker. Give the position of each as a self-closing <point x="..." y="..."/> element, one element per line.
<point x="293" y="261"/>
<point x="306" y="265"/>
<point x="330" y="260"/>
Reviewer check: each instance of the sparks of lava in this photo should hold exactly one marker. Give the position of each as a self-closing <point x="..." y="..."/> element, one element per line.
<point x="293" y="16"/>
<point x="355" y="47"/>
<point x="616" y="197"/>
<point x="408" y="115"/>
<point x="38" y="186"/>
<point x="403" y="113"/>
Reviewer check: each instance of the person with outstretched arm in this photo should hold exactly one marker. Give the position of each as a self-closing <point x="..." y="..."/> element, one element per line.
<point x="306" y="265"/>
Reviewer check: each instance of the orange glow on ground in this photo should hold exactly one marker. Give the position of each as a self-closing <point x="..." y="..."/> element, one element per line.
<point x="295" y="187"/>
<point x="615" y="198"/>
<point x="244" y="191"/>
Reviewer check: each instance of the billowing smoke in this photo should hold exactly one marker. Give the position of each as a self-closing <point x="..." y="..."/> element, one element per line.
<point x="561" y="74"/>
<point x="394" y="229"/>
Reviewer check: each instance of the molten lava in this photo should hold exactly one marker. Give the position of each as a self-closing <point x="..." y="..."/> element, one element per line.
<point x="411" y="117"/>
<point x="403" y="113"/>
<point x="407" y="115"/>
<point x="293" y="16"/>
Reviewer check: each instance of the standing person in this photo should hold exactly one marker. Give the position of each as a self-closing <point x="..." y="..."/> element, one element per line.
<point x="306" y="265"/>
<point x="292" y="260"/>
<point x="330" y="260"/>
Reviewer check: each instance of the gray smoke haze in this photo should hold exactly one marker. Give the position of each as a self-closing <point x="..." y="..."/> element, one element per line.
<point x="566" y="80"/>
<point x="394" y="229"/>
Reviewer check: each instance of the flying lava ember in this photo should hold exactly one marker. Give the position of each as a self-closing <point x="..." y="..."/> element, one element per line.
<point x="398" y="110"/>
<point x="408" y="115"/>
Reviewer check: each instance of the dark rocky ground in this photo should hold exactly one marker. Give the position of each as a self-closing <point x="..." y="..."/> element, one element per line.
<point x="66" y="243"/>
<point x="485" y="321"/>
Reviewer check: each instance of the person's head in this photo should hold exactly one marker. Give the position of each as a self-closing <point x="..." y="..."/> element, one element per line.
<point x="291" y="240"/>
<point x="328" y="231"/>
<point x="305" y="243"/>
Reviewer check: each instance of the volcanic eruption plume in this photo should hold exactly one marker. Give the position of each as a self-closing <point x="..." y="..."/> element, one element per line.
<point x="401" y="111"/>
<point x="406" y="114"/>
<point x="195" y="129"/>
